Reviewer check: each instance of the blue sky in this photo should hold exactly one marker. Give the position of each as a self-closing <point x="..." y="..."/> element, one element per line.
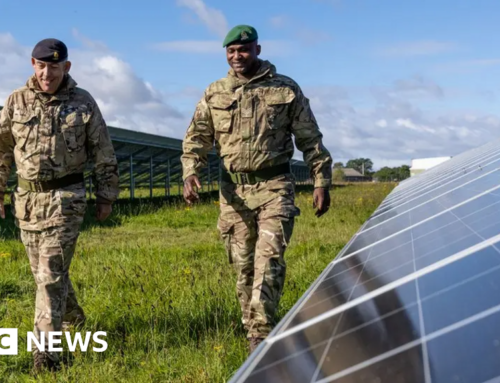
<point x="389" y="80"/>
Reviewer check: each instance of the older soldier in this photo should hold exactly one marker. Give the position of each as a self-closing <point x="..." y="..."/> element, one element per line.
<point x="50" y="128"/>
<point x="251" y="115"/>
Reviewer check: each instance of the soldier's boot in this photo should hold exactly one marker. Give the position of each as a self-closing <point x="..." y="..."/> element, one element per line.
<point x="254" y="343"/>
<point x="42" y="362"/>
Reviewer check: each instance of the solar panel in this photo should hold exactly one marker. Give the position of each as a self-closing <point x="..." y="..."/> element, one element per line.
<point x="413" y="297"/>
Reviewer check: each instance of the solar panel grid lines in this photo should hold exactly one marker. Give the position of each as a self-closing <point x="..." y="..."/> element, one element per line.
<point x="424" y="183"/>
<point x="385" y="354"/>
<point x="427" y="298"/>
<point x="388" y="287"/>
<point x="299" y="304"/>
<point x="459" y="239"/>
<point x="432" y="194"/>
<point x="397" y="304"/>
<point x="425" y="186"/>
<point x="417" y="342"/>
<point x="316" y="373"/>
<point x="357" y="251"/>
<point x="455" y="164"/>
<point x="425" y="354"/>
<point x="459" y="282"/>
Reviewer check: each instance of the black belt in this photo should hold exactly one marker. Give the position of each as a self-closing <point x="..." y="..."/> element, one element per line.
<point x="250" y="178"/>
<point x="58" y="183"/>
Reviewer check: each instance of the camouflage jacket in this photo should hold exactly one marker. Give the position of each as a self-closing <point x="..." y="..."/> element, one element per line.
<point x="51" y="136"/>
<point x="252" y="122"/>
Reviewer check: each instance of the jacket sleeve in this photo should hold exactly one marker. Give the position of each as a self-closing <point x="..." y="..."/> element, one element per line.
<point x="102" y="154"/>
<point x="6" y="146"/>
<point x="198" y="140"/>
<point x="308" y="140"/>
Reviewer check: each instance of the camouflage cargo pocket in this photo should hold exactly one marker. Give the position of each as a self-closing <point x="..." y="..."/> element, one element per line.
<point x="19" y="204"/>
<point x="72" y="203"/>
<point x="226" y="230"/>
<point x="222" y="109"/>
<point x="23" y="124"/>
<point x="73" y="130"/>
<point x="277" y="101"/>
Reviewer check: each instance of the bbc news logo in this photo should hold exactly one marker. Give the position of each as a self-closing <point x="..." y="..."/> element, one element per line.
<point x="9" y="341"/>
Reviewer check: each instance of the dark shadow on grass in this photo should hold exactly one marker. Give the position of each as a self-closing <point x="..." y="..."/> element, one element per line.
<point x="9" y="289"/>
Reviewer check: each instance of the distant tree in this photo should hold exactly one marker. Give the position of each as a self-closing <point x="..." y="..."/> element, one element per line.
<point x="405" y="171"/>
<point x="338" y="175"/>
<point x="357" y="164"/>
<point x="338" y="165"/>
<point x="387" y="174"/>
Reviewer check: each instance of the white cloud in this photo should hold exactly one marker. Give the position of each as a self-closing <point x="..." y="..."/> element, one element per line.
<point x="213" y="19"/>
<point x="15" y="65"/>
<point x="417" y="48"/>
<point x="126" y="100"/>
<point x="387" y="124"/>
<point x="391" y="128"/>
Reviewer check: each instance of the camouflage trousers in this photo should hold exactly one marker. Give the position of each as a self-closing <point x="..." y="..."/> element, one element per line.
<point x="256" y="225"/>
<point x="50" y="252"/>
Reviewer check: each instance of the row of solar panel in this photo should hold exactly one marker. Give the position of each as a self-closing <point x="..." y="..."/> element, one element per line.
<point x="413" y="297"/>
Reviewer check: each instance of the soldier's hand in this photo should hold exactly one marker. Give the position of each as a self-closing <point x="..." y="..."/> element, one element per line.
<point x="2" y="207"/>
<point x="103" y="210"/>
<point x="190" y="194"/>
<point x="321" y="201"/>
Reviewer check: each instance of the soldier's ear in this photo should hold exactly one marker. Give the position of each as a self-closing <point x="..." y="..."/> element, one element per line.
<point x="258" y="49"/>
<point x="67" y="66"/>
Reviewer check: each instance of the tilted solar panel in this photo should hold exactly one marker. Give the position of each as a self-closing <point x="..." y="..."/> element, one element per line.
<point x="413" y="297"/>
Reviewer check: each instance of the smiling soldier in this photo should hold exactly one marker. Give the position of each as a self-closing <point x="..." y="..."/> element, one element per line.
<point x="50" y="128"/>
<point x="251" y="116"/>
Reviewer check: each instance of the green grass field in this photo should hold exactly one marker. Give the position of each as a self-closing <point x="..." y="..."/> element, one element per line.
<point x="156" y="279"/>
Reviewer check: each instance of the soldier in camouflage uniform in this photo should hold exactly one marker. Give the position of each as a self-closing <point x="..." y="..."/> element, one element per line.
<point x="50" y="128"/>
<point x="251" y="116"/>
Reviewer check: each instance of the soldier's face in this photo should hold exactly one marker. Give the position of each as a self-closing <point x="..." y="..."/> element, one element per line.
<point x="50" y="75"/>
<point x="242" y="58"/>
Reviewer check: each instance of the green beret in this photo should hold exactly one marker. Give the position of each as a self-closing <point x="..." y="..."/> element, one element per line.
<point x="50" y="50"/>
<point x="240" y="34"/>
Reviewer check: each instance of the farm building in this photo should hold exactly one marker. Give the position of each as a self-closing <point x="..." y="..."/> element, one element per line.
<point x="352" y="175"/>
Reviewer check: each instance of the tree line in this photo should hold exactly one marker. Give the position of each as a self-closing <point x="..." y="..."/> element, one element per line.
<point x="365" y="166"/>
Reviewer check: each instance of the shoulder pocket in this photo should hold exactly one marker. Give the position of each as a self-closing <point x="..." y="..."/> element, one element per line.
<point x="222" y="109"/>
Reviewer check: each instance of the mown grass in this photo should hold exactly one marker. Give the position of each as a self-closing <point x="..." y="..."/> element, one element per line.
<point x="157" y="280"/>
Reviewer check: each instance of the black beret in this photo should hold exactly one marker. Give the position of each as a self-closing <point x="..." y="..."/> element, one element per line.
<point x="50" y="50"/>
